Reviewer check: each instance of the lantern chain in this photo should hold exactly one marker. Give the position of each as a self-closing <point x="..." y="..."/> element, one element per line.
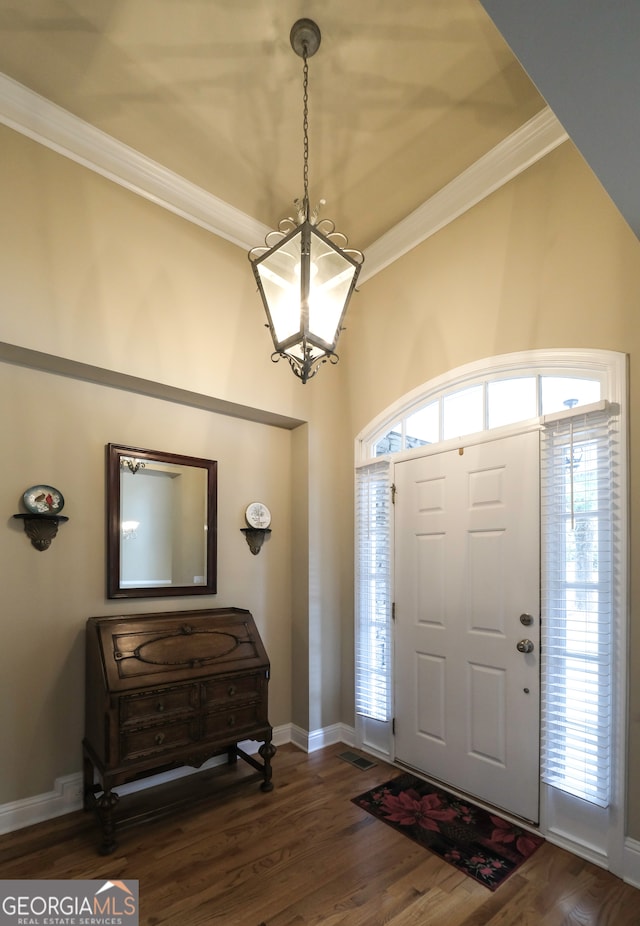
<point x="305" y="128"/>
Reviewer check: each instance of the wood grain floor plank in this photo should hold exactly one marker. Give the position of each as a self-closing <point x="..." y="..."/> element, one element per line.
<point x="305" y="855"/>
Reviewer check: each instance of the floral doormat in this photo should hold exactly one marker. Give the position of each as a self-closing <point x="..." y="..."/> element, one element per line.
<point x="479" y="843"/>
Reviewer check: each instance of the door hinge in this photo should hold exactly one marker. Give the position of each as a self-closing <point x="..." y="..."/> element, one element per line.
<point x="393" y="610"/>
<point x="393" y="493"/>
<point x="393" y="727"/>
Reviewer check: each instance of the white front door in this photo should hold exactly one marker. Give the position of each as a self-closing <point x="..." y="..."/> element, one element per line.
<point x="467" y="700"/>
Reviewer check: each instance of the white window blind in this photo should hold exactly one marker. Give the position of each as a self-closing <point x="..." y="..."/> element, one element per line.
<point x="373" y="591"/>
<point x="578" y="479"/>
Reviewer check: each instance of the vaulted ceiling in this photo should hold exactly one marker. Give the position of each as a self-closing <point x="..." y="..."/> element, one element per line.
<point x="403" y="97"/>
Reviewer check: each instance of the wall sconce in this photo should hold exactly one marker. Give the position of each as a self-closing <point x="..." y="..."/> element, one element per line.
<point x="258" y="517"/>
<point x="41" y="528"/>
<point x="43" y="504"/>
<point x="255" y="537"/>
<point x="132" y="464"/>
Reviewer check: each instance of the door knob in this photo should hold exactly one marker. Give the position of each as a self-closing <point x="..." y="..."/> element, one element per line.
<point x="524" y="646"/>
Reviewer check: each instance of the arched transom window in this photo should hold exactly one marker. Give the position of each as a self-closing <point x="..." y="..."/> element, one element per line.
<point x="482" y="396"/>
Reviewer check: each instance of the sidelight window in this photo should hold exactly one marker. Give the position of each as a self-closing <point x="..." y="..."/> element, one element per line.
<point x="373" y="592"/>
<point x="579" y="531"/>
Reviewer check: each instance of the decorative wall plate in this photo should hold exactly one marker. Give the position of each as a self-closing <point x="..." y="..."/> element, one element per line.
<point x="43" y="500"/>
<point x="258" y="515"/>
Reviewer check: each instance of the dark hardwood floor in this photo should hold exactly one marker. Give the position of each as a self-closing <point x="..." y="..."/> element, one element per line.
<point x="304" y="855"/>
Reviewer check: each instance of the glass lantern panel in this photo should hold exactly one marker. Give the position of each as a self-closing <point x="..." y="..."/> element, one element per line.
<point x="331" y="276"/>
<point x="279" y="274"/>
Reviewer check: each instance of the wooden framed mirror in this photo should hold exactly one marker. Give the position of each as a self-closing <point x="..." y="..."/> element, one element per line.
<point x="161" y="524"/>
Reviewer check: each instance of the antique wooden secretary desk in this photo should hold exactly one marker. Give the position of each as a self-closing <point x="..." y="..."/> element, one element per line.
<point x="169" y="690"/>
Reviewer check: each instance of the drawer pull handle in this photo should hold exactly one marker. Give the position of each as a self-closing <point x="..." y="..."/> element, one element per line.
<point x="160" y="707"/>
<point x="159" y="739"/>
<point x="231" y="722"/>
<point x="231" y="691"/>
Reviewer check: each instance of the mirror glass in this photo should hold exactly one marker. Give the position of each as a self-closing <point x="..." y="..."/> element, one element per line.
<point x="161" y="524"/>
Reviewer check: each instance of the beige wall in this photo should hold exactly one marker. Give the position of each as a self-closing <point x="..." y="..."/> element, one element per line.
<point x="55" y="431"/>
<point x="545" y="262"/>
<point x="91" y="273"/>
<point x="330" y="551"/>
<point x="95" y="274"/>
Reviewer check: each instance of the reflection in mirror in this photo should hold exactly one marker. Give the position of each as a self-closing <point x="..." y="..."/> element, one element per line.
<point x="161" y="517"/>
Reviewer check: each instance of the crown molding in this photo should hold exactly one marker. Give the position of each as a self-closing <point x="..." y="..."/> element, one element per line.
<point x="48" y="124"/>
<point x="520" y="150"/>
<point x="43" y="121"/>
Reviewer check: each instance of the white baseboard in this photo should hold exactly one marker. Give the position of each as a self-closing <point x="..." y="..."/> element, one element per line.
<point x="632" y="862"/>
<point x="630" y="873"/>
<point x="67" y="791"/>
<point x="326" y="736"/>
<point x="582" y="850"/>
<point x="65" y="797"/>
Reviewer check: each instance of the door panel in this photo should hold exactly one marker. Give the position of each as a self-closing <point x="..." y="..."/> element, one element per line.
<point x="467" y="566"/>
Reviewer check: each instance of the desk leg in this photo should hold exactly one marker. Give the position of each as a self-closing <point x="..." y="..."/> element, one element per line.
<point x="88" y="789"/>
<point x="104" y="807"/>
<point x="267" y="751"/>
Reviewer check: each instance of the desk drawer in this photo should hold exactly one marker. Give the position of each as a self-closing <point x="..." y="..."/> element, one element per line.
<point x="137" y="744"/>
<point x="231" y="722"/>
<point x="155" y="705"/>
<point x="218" y="692"/>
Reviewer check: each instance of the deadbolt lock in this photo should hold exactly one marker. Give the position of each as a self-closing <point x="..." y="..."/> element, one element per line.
<point x="526" y="619"/>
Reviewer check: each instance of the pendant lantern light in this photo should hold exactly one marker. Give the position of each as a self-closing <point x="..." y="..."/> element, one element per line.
<point x="305" y="270"/>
